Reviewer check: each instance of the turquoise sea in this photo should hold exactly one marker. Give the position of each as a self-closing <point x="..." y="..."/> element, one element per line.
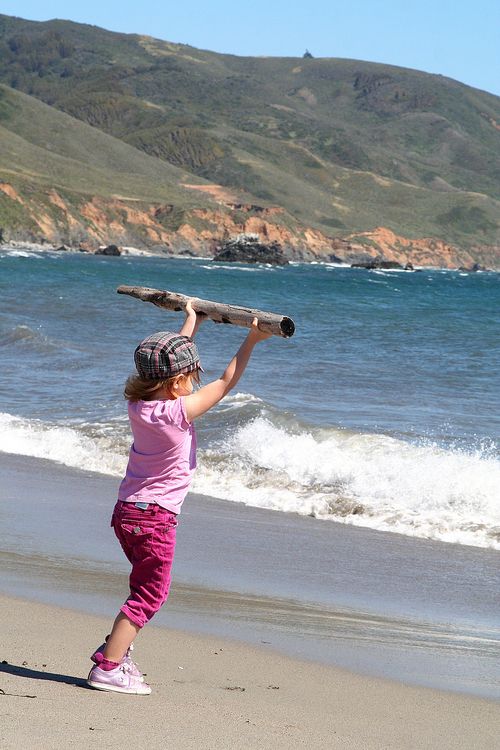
<point x="382" y="411"/>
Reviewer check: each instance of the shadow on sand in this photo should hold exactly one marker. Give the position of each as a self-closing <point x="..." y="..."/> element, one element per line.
<point x="35" y="674"/>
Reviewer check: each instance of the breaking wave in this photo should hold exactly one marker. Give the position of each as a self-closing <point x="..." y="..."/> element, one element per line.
<point x="364" y="479"/>
<point x="370" y="480"/>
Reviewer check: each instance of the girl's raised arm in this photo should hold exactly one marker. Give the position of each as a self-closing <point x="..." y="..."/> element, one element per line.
<point x="192" y="322"/>
<point x="203" y="400"/>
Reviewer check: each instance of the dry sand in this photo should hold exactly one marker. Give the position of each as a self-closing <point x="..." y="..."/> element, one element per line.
<point x="211" y="693"/>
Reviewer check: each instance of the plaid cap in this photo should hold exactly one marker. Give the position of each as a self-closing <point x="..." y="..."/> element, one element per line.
<point x="166" y="354"/>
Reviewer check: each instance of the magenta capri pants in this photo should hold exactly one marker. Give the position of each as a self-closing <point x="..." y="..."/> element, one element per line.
<point x="147" y="537"/>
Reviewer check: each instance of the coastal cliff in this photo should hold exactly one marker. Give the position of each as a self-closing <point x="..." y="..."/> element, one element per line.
<point x="88" y="223"/>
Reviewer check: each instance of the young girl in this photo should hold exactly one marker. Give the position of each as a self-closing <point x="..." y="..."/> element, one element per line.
<point x="162" y="408"/>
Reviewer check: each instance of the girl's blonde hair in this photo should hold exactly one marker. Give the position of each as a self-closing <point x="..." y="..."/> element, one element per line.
<point x="144" y="389"/>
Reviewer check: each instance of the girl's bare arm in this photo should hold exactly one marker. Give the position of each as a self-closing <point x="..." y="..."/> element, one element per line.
<point x="192" y="322"/>
<point x="203" y="400"/>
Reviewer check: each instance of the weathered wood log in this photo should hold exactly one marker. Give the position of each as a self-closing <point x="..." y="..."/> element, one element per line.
<point x="279" y="325"/>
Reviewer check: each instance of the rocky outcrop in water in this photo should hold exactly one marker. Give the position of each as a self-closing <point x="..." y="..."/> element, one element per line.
<point x="378" y="263"/>
<point x="247" y="248"/>
<point x="108" y="250"/>
<point x="474" y="268"/>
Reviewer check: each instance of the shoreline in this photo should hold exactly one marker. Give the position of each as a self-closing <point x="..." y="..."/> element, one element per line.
<point x="375" y="603"/>
<point x="421" y="655"/>
<point x="212" y="692"/>
<point x="135" y="252"/>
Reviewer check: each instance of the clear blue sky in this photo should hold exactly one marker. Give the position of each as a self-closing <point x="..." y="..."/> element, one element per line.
<point x="457" y="38"/>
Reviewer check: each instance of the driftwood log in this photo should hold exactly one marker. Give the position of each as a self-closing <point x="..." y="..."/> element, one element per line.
<point x="279" y="325"/>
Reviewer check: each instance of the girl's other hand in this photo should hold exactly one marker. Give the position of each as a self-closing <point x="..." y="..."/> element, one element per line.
<point x="189" y="307"/>
<point x="193" y="319"/>
<point x="255" y="334"/>
<point x="200" y="316"/>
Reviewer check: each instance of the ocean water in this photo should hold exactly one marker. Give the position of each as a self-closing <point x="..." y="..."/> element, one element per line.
<point x="382" y="411"/>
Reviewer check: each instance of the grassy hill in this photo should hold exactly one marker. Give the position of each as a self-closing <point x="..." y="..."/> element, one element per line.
<point x="60" y="151"/>
<point x="46" y="153"/>
<point x="69" y="182"/>
<point x="343" y="146"/>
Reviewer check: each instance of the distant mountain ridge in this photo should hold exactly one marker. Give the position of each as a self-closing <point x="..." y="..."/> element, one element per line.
<point x="322" y="152"/>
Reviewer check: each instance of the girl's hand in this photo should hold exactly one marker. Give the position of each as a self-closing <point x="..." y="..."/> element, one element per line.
<point x="193" y="320"/>
<point x="255" y="334"/>
<point x="200" y="316"/>
<point x="189" y="308"/>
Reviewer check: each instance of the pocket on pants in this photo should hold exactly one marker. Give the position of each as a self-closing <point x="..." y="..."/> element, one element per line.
<point x="163" y="540"/>
<point x="135" y="535"/>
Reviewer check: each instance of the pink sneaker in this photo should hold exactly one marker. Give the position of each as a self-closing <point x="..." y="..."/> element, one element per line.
<point x="118" y="680"/>
<point x="127" y="659"/>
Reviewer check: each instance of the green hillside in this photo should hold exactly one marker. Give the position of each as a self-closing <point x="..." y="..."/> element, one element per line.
<point x="344" y="146"/>
<point x="64" y="180"/>
<point x="45" y="146"/>
<point x="43" y="150"/>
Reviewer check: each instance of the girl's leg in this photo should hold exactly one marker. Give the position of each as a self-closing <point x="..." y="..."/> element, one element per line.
<point x="123" y="633"/>
<point x="152" y="553"/>
<point x="148" y="541"/>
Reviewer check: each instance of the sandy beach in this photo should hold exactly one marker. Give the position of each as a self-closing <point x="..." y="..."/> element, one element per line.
<point x="211" y="693"/>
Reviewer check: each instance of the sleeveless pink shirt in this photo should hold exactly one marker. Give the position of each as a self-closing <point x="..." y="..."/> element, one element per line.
<point x="162" y="458"/>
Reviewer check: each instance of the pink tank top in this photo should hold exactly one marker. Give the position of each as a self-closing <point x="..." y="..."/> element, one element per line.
<point x="162" y="458"/>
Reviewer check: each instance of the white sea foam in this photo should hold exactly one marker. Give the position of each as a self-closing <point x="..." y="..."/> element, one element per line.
<point x="237" y="401"/>
<point x="135" y="252"/>
<point x="65" y="445"/>
<point x="362" y="479"/>
<point x="29" y="250"/>
<point x="253" y="269"/>
<point x="21" y="254"/>
<point x="367" y="480"/>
